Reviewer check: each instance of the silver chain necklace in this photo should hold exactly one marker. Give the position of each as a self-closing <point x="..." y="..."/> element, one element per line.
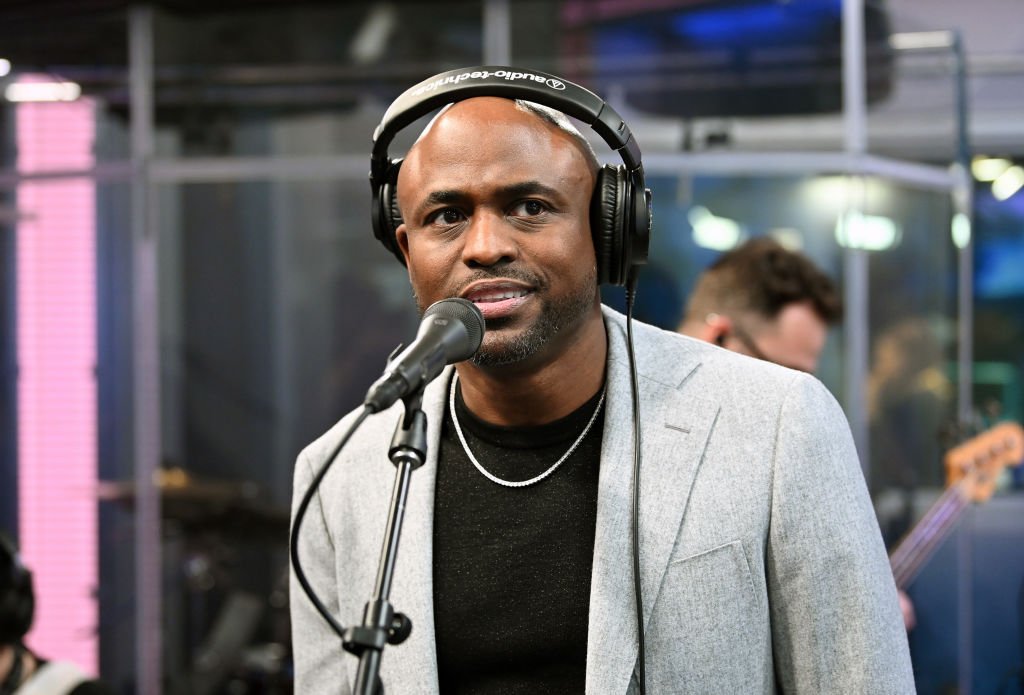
<point x="513" y="483"/>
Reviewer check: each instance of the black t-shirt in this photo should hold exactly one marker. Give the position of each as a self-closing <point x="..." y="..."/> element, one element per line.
<point x="512" y="565"/>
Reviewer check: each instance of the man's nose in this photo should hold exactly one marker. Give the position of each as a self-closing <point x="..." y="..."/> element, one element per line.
<point x="489" y="240"/>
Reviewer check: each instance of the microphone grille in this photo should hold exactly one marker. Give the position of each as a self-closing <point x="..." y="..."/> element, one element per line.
<point x="463" y="311"/>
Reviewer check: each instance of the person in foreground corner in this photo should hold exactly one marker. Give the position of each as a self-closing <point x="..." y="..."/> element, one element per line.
<point x="22" y="670"/>
<point x="762" y="567"/>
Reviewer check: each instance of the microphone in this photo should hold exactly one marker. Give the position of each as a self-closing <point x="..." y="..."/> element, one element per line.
<point x="451" y="331"/>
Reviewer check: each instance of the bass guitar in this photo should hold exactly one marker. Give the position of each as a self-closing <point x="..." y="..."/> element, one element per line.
<point x="972" y="469"/>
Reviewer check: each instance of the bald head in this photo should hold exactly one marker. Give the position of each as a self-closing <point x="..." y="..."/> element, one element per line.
<point x="492" y="112"/>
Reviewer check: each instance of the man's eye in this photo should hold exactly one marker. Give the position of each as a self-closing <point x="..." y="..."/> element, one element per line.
<point x="530" y="208"/>
<point x="446" y="216"/>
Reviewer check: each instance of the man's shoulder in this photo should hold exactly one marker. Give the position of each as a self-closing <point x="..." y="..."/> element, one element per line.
<point x="647" y="338"/>
<point x="377" y="429"/>
<point x="371" y="429"/>
<point x="671" y="358"/>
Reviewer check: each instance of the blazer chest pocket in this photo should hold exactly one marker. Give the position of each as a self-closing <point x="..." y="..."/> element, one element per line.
<point x="708" y="624"/>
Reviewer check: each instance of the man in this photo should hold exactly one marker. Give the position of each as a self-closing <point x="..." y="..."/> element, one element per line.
<point x="762" y="300"/>
<point x="23" y="672"/>
<point x="761" y="563"/>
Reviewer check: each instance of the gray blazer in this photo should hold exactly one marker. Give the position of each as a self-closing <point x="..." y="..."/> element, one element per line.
<point x="762" y="565"/>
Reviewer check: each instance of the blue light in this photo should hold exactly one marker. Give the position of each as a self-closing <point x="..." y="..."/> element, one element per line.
<point x="738" y="24"/>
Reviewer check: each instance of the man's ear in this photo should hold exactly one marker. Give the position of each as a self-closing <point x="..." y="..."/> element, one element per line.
<point x="402" y="237"/>
<point x="716" y="329"/>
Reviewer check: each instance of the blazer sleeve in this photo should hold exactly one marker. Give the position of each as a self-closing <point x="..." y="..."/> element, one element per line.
<point x="836" y="624"/>
<point x="318" y="656"/>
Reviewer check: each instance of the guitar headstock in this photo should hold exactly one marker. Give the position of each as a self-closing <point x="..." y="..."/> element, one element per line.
<point x="979" y="461"/>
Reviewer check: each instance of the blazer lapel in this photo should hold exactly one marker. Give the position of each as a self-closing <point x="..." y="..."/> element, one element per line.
<point x="674" y="433"/>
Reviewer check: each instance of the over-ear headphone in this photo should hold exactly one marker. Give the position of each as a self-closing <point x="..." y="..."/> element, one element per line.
<point x="620" y="210"/>
<point x="17" y="601"/>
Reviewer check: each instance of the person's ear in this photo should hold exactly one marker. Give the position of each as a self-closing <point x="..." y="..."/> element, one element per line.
<point x="402" y="237"/>
<point x="716" y="329"/>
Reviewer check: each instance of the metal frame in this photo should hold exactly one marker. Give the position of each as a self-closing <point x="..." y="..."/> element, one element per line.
<point x="146" y="357"/>
<point x="855" y="261"/>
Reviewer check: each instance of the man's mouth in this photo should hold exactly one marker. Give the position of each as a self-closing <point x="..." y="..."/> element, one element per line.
<point x="483" y="297"/>
<point x="498" y="301"/>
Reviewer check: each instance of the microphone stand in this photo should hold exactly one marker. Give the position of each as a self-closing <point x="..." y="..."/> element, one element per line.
<point x="381" y="624"/>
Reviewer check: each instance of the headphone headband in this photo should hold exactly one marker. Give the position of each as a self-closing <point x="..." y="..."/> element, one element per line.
<point x="495" y="80"/>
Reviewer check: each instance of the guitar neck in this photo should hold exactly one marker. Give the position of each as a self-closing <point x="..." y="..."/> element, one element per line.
<point x="920" y="544"/>
<point x="972" y="470"/>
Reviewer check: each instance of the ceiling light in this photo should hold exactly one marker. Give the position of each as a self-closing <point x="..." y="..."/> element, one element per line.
<point x="989" y="168"/>
<point x="1008" y="183"/>
<point x="713" y="232"/>
<point x="855" y="230"/>
<point x="960" y="229"/>
<point x="42" y="91"/>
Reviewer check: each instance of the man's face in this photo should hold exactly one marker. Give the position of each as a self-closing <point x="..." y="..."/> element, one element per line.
<point x="495" y="204"/>
<point x="795" y="338"/>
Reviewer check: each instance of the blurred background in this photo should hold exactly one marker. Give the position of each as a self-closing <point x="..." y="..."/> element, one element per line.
<point x="190" y="291"/>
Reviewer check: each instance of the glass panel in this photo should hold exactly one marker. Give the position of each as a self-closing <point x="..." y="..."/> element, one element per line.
<point x="999" y="297"/>
<point x="911" y="385"/>
<point x="279" y="308"/>
<point x="115" y="435"/>
<point x="998" y="376"/>
<point x="696" y="219"/>
<point x="65" y="414"/>
<point x="911" y="400"/>
<point x="912" y="284"/>
<point x="65" y="411"/>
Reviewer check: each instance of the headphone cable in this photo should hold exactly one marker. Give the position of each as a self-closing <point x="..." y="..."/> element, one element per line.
<point x="300" y="513"/>
<point x="634" y="382"/>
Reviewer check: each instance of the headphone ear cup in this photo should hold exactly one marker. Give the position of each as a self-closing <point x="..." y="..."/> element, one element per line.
<point x="386" y="215"/>
<point x="607" y="223"/>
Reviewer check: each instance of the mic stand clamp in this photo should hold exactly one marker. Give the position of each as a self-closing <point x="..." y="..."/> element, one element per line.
<point x="381" y="624"/>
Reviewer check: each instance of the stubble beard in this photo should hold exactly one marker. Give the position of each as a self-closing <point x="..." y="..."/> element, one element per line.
<point x="556" y="315"/>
